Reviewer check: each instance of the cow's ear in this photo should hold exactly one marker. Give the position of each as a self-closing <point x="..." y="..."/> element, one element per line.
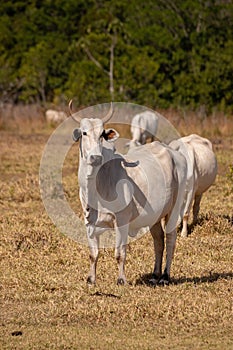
<point x="77" y="134"/>
<point x="110" y="135"/>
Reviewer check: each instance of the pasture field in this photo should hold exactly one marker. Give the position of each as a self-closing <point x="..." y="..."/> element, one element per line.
<point x="45" y="302"/>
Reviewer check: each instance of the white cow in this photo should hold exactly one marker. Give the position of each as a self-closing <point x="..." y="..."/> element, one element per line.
<point x="202" y="171"/>
<point x="53" y="116"/>
<point x="143" y="127"/>
<point x="128" y="192"/>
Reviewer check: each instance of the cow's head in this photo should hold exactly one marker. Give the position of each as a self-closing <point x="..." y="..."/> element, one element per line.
<point x="91" y="134"/>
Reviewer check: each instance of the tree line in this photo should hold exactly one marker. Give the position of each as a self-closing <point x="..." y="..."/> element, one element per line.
<point x="159" y="53"/>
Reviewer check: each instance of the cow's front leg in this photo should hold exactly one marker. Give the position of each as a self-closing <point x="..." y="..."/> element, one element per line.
<point x="120" y="252"/>
<point x="94" y="254"/>
<point x="170" y="248"/>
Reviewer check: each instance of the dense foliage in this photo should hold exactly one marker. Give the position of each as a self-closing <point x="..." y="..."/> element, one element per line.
<point x="160" y="53"/>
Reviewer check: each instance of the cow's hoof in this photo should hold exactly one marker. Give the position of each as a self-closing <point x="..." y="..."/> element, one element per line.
<point x="153" y="281"/>
<point x="164" y="280"/>
<point x="184" y="235"/>
<point x="163" y="283"/>
<point x="90" y="280"/>
<point x="121" y="282"/>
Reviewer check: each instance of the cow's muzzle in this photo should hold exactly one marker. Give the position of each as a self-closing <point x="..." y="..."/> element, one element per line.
<point x="95" y="160"/>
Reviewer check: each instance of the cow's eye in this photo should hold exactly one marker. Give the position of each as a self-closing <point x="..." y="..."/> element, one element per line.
<point x="84" y="133"/>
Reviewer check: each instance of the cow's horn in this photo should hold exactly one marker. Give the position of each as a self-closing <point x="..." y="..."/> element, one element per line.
<point x="76" y="118"/>
<point x="70" y="107"/>
<point x="108" y="116"/>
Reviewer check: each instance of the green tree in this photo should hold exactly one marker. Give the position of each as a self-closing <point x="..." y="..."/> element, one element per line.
<point x="160" y="52"/>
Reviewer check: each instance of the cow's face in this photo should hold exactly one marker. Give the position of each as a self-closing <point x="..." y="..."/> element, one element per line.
<point x="91" y="135"/>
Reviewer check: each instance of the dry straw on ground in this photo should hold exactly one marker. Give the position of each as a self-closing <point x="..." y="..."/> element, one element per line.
<point x="45" y="302"/>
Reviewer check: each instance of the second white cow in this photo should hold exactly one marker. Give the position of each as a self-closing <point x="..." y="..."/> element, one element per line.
<point x="202" y="171"/>
<point x="143" y="126"/>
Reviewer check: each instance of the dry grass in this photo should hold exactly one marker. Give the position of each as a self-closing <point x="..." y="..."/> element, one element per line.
<point x="45" y="302"/>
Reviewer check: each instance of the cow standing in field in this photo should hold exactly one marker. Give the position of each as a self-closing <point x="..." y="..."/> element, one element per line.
<point x="55" y="117"/>
<point x="143" y="127"/>
<point x="202" y="171"/>
<point x="127" y="193"/>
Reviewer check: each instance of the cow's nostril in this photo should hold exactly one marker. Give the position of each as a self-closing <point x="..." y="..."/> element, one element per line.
<point x="92" y="158"/>
<point x="95" y="159"/>
<point x="98" y="160"/>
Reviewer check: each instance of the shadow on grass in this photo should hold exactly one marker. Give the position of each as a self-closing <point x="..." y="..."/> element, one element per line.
<point x="212" y="277"/>
<point x="102" y="294"/>
<point x="228" y="218"/>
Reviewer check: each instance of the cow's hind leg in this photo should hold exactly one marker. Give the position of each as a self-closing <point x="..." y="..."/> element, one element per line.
<point x="94" y="254"/>
<point x="188" y="207"/>
<point x="158" y="237"/>
<point x="143" y="139"/>
<point x="184" y="232"/>
<point x="196" y="207"/>
<point x="170" y="248"/>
